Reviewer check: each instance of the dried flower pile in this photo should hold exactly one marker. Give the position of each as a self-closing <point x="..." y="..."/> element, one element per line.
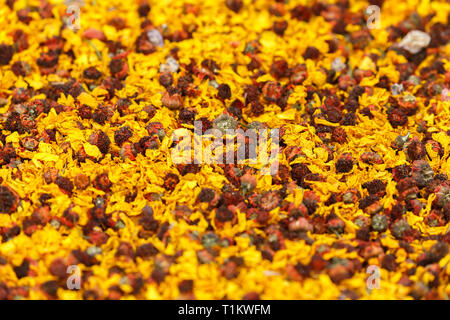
<point x="87" y="178"/>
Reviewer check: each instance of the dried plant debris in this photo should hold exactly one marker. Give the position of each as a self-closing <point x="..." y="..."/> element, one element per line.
<point x="94" y="206"/>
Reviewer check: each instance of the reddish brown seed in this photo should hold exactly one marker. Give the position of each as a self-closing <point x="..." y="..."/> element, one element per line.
<point x="373" y="208"/>
<point x="103" y="114"/>
<point x="118" y="23"/>
<point x="401" y="172"/>
<point x="301" y="13"/>
<point x="158" y="275"/>
<point x="50" y="175"/>
<point x="360" y="38"/>
<point x="122" y="135"/>
<point x="280" y="69"/>
<point x="422" y="173"/>
<point x="311" y="200"/>
<point x="92" y="73"/>
<point x="301" y="224"/>
<point x="45" y="10"/>
<point x="344" y="163"/>
<point x="230" y="268"/>
<point x="375" y="187"/>
<point x="101" y="140"/>
<point x="339" y="27"/>
<point x="118" y="68"/>
<point x="317" y="263"/>
<point x="339" y="135"/>
<point x="150" y="110"/>
<point x="338" y="273"/>
<point x="48" y="62"/>
<point x="224" y="91"/>
<point x="363" y="234"/>
<point x="234" y="5"/>
<point x="21" y="68"/>
<point x="223" y="214"/>
<point x="416" y="149"/>
<point x="165" y="79"/>
<point x="206" y="195"/>
<point x="279" y="27"/>
<point x="65" y="184"/>
<point x="144" y="45"/>
<point x="251" y="296"/>
<point x="262" y="217"/>
<point x="81" y="181"/>
<point x="257" y="108"/>
<point x="272" y="91"/>
<point x="333" y="114"/>
<point x="125" y="249"/>
<point x="23" y="15"/>
<point x="172" y="101"/>
<point x="6" y="53"/>
<point x="298" y="74"/>
<point x="270" y="200"/>
<point x="299" y="171"/>
<point x="254" y="64"/>
<point x="178" y="35"/>
<point x="397" y="118"/>
<point x="170" y="181"/>
<point x="186" y="116"/>
<point x="102" y="182"/>
<point x="29" y="143"/>
<point x="146" y="250"/>
<point x="350" y="196"/>
<point x="9" y="200"/>
<point x="407" y="188"/>
<point x="335" y="225"/>
<point x="144" y="8"/>
<point x="311" y="53"/>
<point x="94" y="34"/>
<point x="186" y="286"/>
<point x="58" y="268"/>
<point x="85" y="112"/>
<point x="277" y="9"/>
<point x="371" y="158"/>
<point x="50" y="288"/>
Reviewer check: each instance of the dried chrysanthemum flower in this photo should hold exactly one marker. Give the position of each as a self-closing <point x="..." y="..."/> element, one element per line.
<point x="357" y="155"/>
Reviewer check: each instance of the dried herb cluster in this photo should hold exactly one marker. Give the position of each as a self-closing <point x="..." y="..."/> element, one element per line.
<point x="87" y="179"/>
